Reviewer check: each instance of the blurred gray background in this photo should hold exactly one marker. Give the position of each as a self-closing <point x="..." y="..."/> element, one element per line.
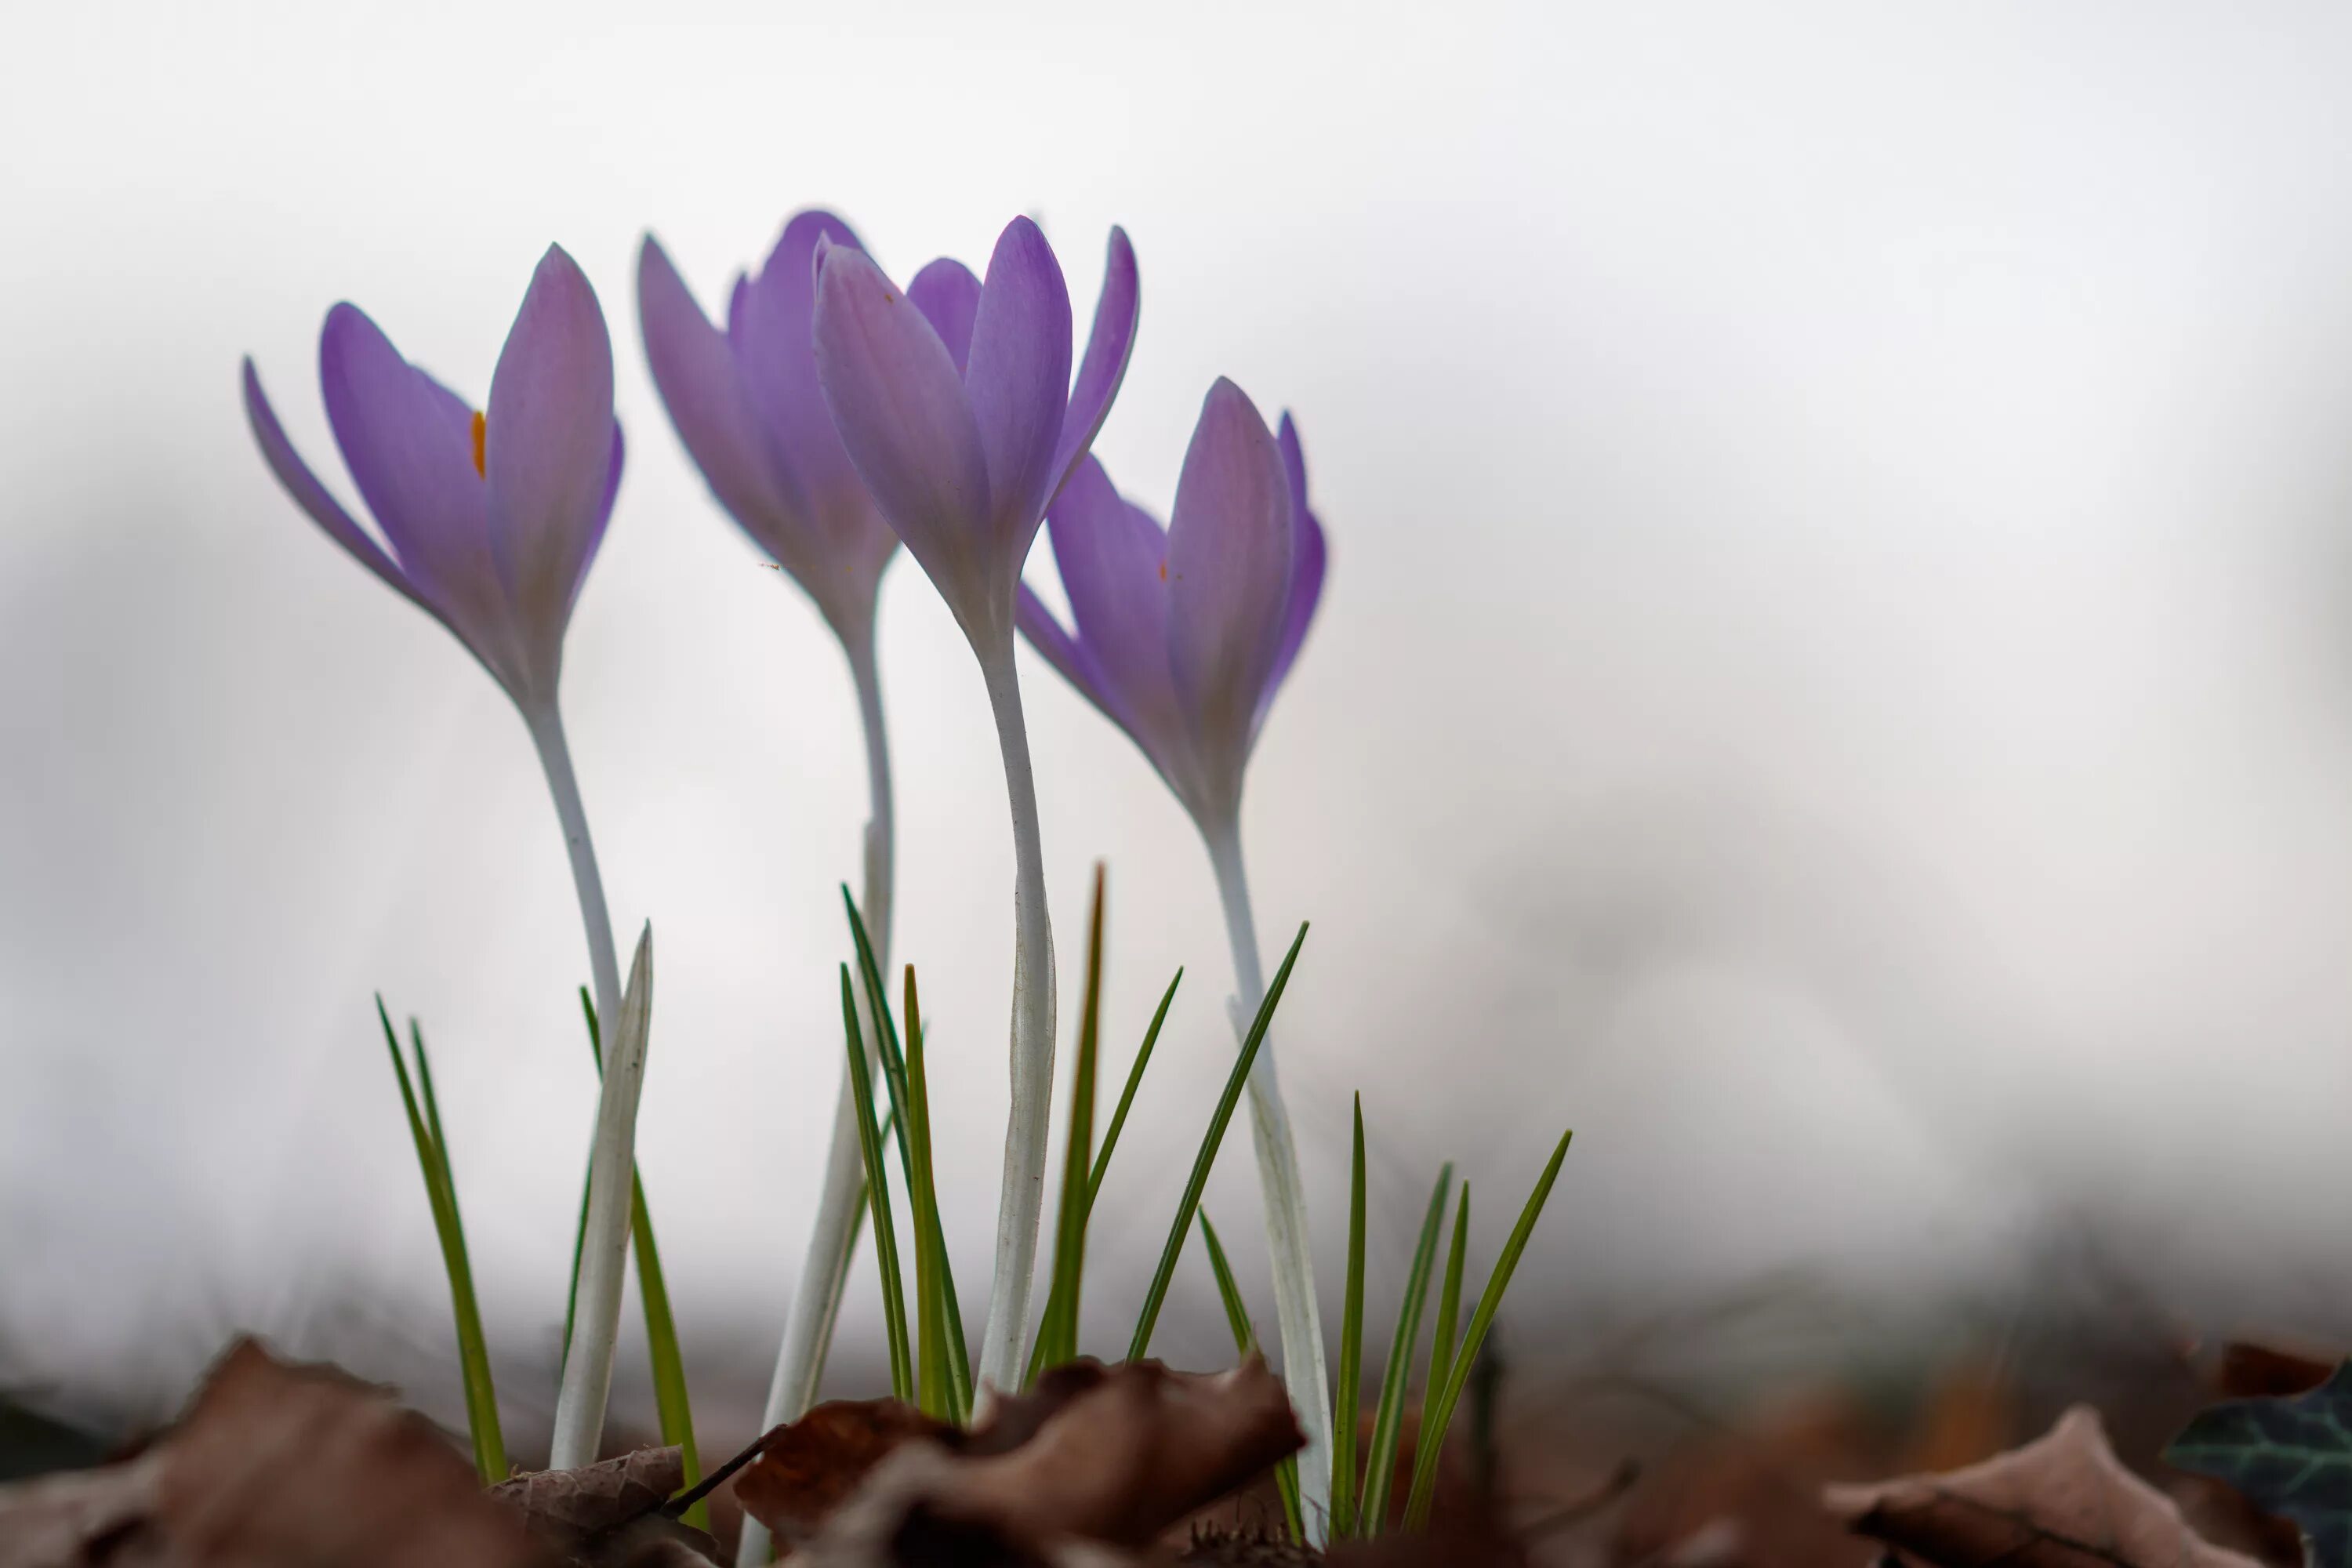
<point x="1833" y="680"/>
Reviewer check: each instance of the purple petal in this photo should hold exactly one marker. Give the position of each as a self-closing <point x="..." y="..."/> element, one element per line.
<point x="694" y="370"/>
<point x="1308" y="563"/>
<point x="1059" y="648"/>
<point x="1110" y="343"/>
<point x="603" y="518"/>
<point x="1230" y="549"/>
<point x="549" y="452"/>
<point x="949" y="296"/>
<point x="776" y="358"/>
<point x="900" y="409"/>
<point x="1019" y="381"/>
<point x="314" y="497"/>
<point x="408" y="443"/>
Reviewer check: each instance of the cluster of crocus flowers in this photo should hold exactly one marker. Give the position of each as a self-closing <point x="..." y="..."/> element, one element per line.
<point x="834" y="415"/>
<point x="1182" y="635"/>
<point x="492" y="518"/>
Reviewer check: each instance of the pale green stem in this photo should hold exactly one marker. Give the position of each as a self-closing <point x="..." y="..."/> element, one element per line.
<point x="1023" y="1197"/>
<point x="816" y="1296"/>
<point x="1286" y="1235"/>
<point x="597" y="1302"/>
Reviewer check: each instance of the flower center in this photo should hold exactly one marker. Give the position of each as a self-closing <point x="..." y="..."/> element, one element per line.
<point x="481" y="443"/>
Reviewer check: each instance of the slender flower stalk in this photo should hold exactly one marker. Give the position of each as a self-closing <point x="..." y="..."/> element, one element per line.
<point x="492" y="519"/>
<point x="955" y="400"/>
<point x="745" y="401"/>
<point x="1181" y="637"/>
<point x="604" y="1247"/>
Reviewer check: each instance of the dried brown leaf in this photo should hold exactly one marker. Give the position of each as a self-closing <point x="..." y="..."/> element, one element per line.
<point x="1122" y="1452"/>
<point x="2063" y="1501"/>
<point x="895" y="1521"/>
<point x="277" y="1465"/>
<point x="808" y="1468"/>
<point x="571" y="1504"/>
<point x="81" y="1518"/>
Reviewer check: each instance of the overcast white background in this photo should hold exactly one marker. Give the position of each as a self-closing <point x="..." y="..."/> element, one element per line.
<point x="1837" y="676"/>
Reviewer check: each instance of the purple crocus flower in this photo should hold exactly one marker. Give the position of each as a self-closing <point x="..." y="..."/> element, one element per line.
<point x="955" y="400"/>
<point x="746" y="403"/>
<point x="960" y="411"/>
<point x="1182" y="635"/>
<point x="492" y="519"/>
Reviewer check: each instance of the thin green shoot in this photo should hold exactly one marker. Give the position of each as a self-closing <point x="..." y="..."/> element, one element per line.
<point x="935" y="1387"/>
<point x="440" y="1194"/>
<point x="1157" y="1295"/>
<point x="1286" y="1474"/>
<point x="1057" y="1331"/>
<point x="1449" y="1300"/>
<point x="877" y="1193"/>
<point x="928" y="1239"/>
<point x="1388" y="1423"/>
<point x="1347" y="1397"/>
<point x="1438" y="1405"/>
<point x="1111" y="1141"/>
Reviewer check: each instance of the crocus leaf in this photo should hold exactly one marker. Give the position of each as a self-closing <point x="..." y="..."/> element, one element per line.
<point x="1437" y="1409"/>
<point x="877" y="1192"/>
<point x="1348" y="1398"/>
<point x="1057" y="1329"/>
<point x="1207" y="1157"/>
<point x="1388" y="1424"/>
<point x="1449" y="1296"/>
<point x="2291" y="1458"/>
<point x="923" y="1201"/>
<point x="433" y="1160"/>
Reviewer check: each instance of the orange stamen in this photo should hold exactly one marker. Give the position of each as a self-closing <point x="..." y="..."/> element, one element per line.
<point x="481" y="444"/>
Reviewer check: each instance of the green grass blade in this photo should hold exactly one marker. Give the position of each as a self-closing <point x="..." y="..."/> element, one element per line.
<point x="1437" y="1411"/>
<point x="1057" y="1330"/>
<point x="1110" y="1137"/>
<point x="440" y="1194"/>
<point x="934" y="1389"/>
<point x="580" y="1231"/>
<point x="1157" y="1295"/>
<point x="878" y="1192"/>
<point x="923" y="1210"/>
<point x="673" y="1407"/>
<point x="1286" y="1474"/>
<point x="957" y="1358"/>
<point x="1347" y="1397"/>
<point x="1388" y="1424"/>
<point x="1449" y="1301"/>
<point x="1126" y="1094"/>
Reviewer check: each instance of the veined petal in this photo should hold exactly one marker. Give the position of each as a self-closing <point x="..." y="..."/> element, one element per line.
<point x="1059" y="648"/>
<point x="1308" y="558"/>
<point x="949" y="296"/>
<point x="1109" y="344"/>
<point x="314" y="497"/>
<point x="900" y="409"/>
<point x="776" y="358"/>
<point x="694" y="370"/>
<point x="409" y="446"/>
<point x="549" y="452"/>
<point x="1230" y="558"/>
<point x="1019" y="382"/>
<point x="603" y="518"/>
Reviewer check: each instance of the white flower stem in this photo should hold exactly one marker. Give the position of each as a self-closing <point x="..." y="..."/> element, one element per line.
<point x="1286" y="1235"/>
<point x="1022" y="1196"/>
<point x="604" y="1249"/>
<point x="588" y="1368"/>
<point x="816" y="1296"/>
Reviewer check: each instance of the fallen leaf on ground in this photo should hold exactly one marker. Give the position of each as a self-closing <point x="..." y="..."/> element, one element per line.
<point x="2289" y="1457"/>
<point x="70" y="1521"/>
<point x="603" y="1514"/>
<point x="2063" y="1501"/>
<point x="808" y="1468"/>
<point x="1109" y="1455"/>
